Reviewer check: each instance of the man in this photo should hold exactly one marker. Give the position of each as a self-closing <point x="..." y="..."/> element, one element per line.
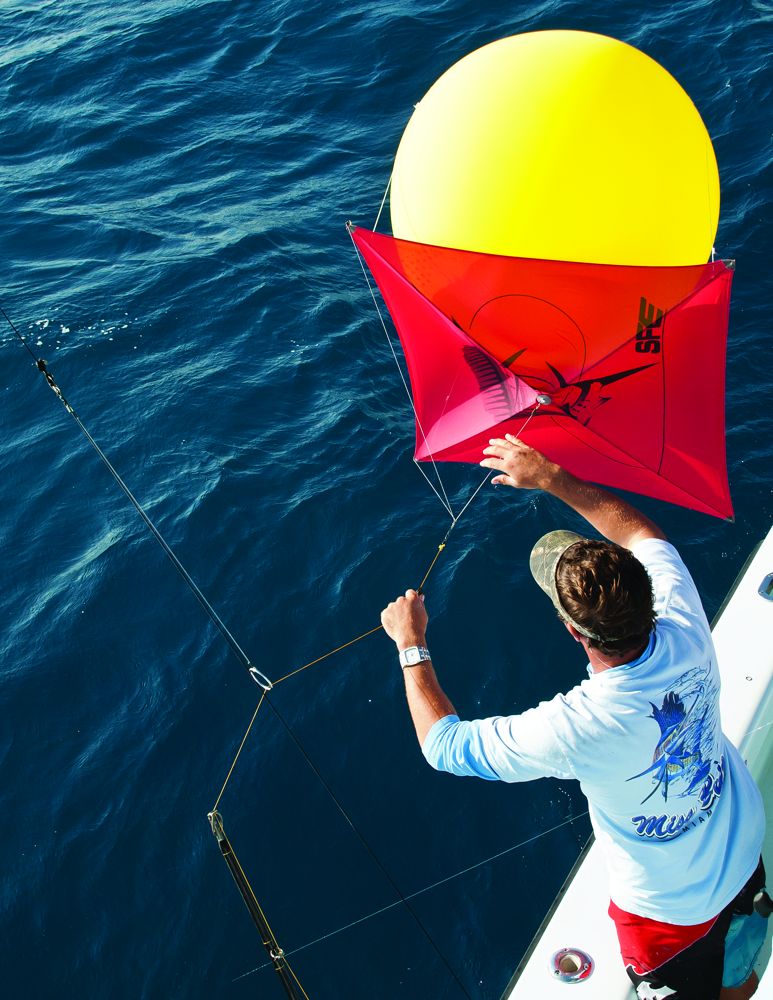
<point x="672" y="804"/>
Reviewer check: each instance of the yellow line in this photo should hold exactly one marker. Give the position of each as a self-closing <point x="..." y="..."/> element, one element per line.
<point x="241" y="746"/>
<point x="325" y="656"/>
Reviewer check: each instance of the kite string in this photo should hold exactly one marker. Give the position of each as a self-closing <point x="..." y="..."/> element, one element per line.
<point x="432" y="487"/>
<point x="377" y="628"/>
<point x="475" y="492"/>
<point x="489" y="476"/>
<point x="444" y="499"/>
<point x="401" y="898"/>
<point x="383" y="202"/>
<point x="311" y="663"/>
<point x="455" y="520"/>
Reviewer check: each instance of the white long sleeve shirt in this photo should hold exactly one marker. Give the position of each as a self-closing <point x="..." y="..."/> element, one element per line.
<point x="671" y="802"/>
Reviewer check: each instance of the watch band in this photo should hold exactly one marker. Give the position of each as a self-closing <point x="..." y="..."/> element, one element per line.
<point x="413" y="655"/>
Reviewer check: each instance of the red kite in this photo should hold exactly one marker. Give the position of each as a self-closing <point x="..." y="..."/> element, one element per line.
<point x="631" y="358"/>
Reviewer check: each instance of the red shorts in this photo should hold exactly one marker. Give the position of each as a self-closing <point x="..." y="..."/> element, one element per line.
<point x="688" y="960"/>
<point x="647" y="944"/>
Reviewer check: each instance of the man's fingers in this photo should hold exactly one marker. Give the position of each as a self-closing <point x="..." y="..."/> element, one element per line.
<point x="512" y="457"/>
<point x="508" y="442"/>
<point x="391" y="608"/>
<point x="505" y="448"/>
<point x="410" y="595"/>
<point x="495" y="462"/>
<point x="498" y="446"/>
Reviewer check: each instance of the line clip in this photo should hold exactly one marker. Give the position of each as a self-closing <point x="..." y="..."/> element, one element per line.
<point x="216" y="822"/>
<point x="43" y="369"/>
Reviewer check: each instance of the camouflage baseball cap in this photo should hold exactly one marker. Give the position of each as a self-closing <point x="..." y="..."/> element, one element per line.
<point x="543" y="563"/>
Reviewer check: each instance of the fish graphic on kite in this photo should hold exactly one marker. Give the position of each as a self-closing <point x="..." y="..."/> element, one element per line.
<point x="578" y="400"/>
<point x="538" y="270"/>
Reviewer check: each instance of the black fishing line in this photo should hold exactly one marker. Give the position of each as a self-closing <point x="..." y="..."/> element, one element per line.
<point x="256" y="675"/>
<point x="367" y="847"/>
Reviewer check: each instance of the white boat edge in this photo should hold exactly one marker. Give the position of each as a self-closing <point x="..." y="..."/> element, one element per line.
<point x="578" y="919"/>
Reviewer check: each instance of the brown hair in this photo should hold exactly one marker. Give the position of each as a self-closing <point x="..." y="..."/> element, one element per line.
<point x="604" y="588"/>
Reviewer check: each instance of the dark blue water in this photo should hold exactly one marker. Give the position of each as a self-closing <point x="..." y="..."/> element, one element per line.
<point x="175" y="177"/>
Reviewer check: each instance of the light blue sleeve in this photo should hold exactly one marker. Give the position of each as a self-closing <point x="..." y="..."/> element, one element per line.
<point x="514" y="748"/>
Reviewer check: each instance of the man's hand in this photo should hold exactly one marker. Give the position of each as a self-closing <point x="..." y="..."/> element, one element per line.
<point x="522" y="466"/>
<point x="405" y="620"/>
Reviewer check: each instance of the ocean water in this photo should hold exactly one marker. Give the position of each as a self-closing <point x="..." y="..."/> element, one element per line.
<point x="175" y="179"/>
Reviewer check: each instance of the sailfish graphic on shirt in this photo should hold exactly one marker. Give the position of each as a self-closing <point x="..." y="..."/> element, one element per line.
<point x="684" y="766"/>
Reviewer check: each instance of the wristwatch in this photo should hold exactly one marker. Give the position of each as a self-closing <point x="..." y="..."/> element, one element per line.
<point x="414" y="654"/>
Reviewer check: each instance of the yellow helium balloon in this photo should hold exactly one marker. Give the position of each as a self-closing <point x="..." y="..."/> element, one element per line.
<point x="564" y="145"/>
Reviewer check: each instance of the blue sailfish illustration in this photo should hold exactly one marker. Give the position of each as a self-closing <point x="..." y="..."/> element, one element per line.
<point x="682" y="755"/>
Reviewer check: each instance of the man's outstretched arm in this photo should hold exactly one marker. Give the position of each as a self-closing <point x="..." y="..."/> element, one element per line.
<point x="517" y="748"/>
<point x="405" y="621"/>
<point x="526" y="468"/>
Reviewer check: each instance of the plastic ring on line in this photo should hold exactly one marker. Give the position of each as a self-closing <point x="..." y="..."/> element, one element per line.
<point x="260" y="679"/>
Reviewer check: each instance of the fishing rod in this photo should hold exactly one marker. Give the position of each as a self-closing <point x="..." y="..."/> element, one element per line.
<point x="281" y="966"/>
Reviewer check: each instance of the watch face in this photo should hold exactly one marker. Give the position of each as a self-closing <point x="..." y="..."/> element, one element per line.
<point x="412" y="656"/>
